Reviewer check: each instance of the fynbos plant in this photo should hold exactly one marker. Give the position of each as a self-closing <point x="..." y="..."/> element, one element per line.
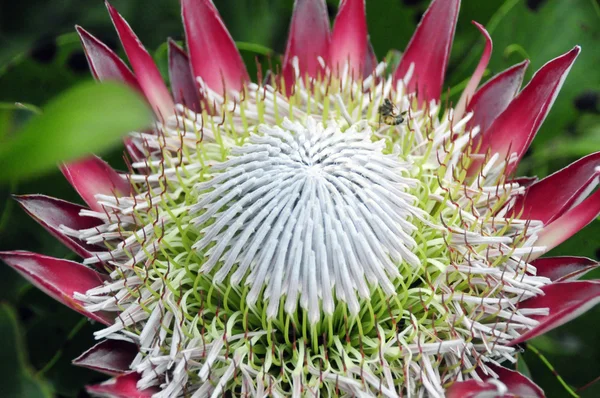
<point x="333" y="230"/>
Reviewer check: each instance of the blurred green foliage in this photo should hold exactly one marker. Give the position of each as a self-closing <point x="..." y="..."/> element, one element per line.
<point x="71" y="125"/>
<point x="40" y="57"/>
<point x="14" y="365"/>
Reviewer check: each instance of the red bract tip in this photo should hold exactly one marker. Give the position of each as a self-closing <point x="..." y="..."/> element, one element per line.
<point x="112" y="357"/>
<point x="514" y="384"/>
<point x="93" y="176"/>
<point x="309" y="38"/>
<point x="516" y="127"/>
<point x="184" y="86"/>
<point x="551" y="197"/>
<point x="104" y="63"/>
<point x="60" y="279"/>
<point x="51" y="213"/>
<point x="144" y="67"/>
<point x="560" y="269"/>
<point x="213" y="54"/>
<point x="429" y="50"/>
<point x="349" y="41"/>
<point x="564" y="300"/>
<point x="571" y="222"/>
<point x="495" y="95"/>
<point x="468" y="92"/>
<point x="124" y="386"/>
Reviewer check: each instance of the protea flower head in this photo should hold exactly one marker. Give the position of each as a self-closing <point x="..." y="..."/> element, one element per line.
<point x="333" y="230"/>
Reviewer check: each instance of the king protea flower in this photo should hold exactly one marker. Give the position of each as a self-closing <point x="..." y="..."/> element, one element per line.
<point x="291" y="237"/>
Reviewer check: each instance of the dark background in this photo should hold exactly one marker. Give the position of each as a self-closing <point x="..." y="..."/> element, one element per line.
<point x="40" y="56"/>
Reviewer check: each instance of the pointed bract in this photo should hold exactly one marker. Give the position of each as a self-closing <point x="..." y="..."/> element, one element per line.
<point x="560" y="269"/>
<point x="469" y="91"/>
<point x="370" y="60"/>
<point x="349" y="40"/>
<point x="570" y="222"/>
<point x="51" y="213"/>
<point x="565" y="301"/>
<point x="143" y="65"/>
<point x="309" y="38"/>
<point x="121" y="387"/>
<point x="495" y="95"/>
<point x="60" y="279"/>
<point x="213" y="54"/>
<point x="429" y="50"/>
<point x="104" y="63"/>
<point x="135" y="152"/>
<point x="517" y="384"/>
<point x="551" y="197"/>
<point x="93" y="176"/>
<point x="111" y="357"/>
<point x="516" y="127"/>
<point x="513" y="384"/>
<point x="472" y="389"/>
<point x="184" y="86"/>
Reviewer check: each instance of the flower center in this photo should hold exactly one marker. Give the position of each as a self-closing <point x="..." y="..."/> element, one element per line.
<point x="308" y="212"/>
<point x="308" y="242"/>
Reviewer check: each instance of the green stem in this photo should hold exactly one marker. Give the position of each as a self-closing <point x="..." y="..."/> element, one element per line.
<point x="549" y="365"/>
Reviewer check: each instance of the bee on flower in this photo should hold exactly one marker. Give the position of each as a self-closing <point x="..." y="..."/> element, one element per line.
<point x="388" y="113"/>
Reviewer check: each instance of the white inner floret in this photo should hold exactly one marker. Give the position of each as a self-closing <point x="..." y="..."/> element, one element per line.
<point x="305" y="209"/>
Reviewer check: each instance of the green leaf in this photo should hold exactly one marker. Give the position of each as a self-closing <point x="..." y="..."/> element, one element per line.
<point x="522" y="366"/>
<point x="18" y="380"/>
<point x="89" y="118"/>
<point x="254" y="48"/>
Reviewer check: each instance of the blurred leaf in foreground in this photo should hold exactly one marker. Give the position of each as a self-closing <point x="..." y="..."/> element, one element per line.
<point x="89" y="118"/>
<point x="13" y="366"/>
